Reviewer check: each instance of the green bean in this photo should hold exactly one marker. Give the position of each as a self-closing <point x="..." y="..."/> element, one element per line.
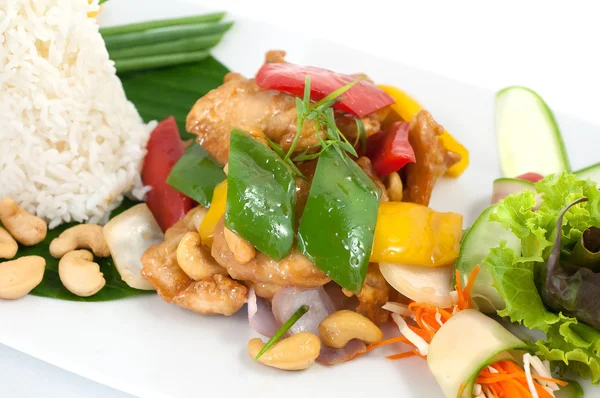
<point x="159" y="61"/>
<point x="178" y="46"/>
<point x="165" y="34"/>
<point x="138" y="27"/>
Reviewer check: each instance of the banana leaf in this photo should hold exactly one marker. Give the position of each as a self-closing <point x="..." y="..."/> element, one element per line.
<point x="160" y="93"/>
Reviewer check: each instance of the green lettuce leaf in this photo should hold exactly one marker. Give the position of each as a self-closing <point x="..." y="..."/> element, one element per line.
<point x="575" y="345"/>
<point x="517" y="275"/>
<point x="515" y="282"/>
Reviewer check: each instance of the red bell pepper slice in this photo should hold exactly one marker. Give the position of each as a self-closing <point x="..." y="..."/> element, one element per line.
<point x="390" y="150"/>
<point x="164" y="150"/>
<point x="531" y="177"/>
<point x="361" y="100"/>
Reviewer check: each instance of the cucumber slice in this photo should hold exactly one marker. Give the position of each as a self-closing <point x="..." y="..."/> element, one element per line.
<point x="571" y="390"/>
<point x="591" y="172"/>
<point x="467" y="343"/>
<point x="528" y="136"/>
<point x="506" y="186"/>
<point x="476" y="244"/>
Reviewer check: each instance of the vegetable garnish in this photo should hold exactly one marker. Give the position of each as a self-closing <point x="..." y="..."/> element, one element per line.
<point x="161" y="23"/>
<point x="429" y="318"/>
<point x="163" y="43"/>
<point x="196" y="175"/>
<point x="507" y="379"/>
<point x="524" y="121"/>
<point x="516" y="273"/>
<point x="322" y="114"/>
<point x="159" y="61"/>
<point x="324" y="121"/>
<point x="571" y="287"/>
<point x="164" y="34"/>
<point x="364" y="99"/>
<point x="261" y="196"/>
<point x="283" y="329"/>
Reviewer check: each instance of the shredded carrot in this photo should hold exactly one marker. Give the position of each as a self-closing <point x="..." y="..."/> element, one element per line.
<point x="402" y="355"/>
<point x="512" y="381"/>
<point x="445" y="313"/>
<point x="469" y="286"/>
<point x="551" y="380"/>
<point x="421" y="333"/>
<point x="399" y="339"/>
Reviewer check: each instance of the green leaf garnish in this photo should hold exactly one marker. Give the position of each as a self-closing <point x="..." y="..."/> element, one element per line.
<point x="323" y="117"/>
<point x="283" y="329"/>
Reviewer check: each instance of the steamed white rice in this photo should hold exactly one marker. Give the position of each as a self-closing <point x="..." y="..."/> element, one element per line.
<point x="71" y="145"/>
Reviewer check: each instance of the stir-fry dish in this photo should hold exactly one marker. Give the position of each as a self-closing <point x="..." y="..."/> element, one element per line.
<point x="134" y="162"/>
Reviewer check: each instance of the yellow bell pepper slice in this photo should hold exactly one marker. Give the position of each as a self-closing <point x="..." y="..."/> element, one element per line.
<point x="408" y="233"/>
<point x="407" y="107"/>
<point x="214" y="213"/>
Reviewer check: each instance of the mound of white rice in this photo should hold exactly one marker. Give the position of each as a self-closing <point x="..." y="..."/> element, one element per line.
<point x="71" y="145"/>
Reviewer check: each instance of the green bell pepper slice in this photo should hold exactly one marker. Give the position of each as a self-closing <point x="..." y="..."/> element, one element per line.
<point x="337" y="227"/>
<point x="196" y="175"/>
<point x="260" y="196"/>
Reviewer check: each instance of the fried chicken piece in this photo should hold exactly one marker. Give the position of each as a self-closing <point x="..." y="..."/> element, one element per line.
<point x="264" y="290"/>
<point x="365" y="164"/>
<point x="294" y="270"/>
<point x="207" y="296"/>
<point x="240" y="103"/>
<point x="275" y="57"/>
<point x="432" y="159"/>
<point x="160" y="268"/>
<point x="373" y="295"/>
<point x="191" y="222"/>
<point x="217" y="294"/>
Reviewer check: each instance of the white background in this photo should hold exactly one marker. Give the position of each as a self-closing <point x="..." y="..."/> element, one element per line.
<point x="549" y="46"/>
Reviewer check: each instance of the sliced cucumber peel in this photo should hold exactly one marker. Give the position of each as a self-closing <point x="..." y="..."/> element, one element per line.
<point x="529" y="139"/>
<point x="482" y="236"/>
<point x="468" y="342"/>
<point x="592" y="172"/>
<point x="507" y="186"/>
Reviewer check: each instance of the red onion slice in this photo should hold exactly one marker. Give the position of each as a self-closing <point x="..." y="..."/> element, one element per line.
<point x="287" y="301"/>
<point x="334" y="356"/>
<point x="260" y="315"/>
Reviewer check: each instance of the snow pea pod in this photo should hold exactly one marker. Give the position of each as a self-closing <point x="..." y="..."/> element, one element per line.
<point x="338" y="223"/>
<point x="260" y="196"/>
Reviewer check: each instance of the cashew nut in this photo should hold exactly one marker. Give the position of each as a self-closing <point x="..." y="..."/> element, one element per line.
<point x="82" y="236"/>
<point x="243" y="251"/>
<point x="195" y="260"/>
<point x="394" y="187"/>
<point x="79" y="274"/>
<point x="293" y="353"/>
<point x="8" y="246"/>
<point x="26" y="228"/>
<point x="19" y="277"/>
<point x="342" y="326"/>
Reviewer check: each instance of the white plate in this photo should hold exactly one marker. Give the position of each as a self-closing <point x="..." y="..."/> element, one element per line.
<point x="149" y="348"/>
